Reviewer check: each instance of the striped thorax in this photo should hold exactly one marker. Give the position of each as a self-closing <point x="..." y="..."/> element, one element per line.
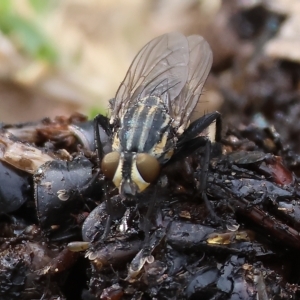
<point x="143" y="142"/>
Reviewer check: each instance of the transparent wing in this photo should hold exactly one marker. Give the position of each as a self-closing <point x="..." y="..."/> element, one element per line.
<point x="200" y="61"/>
<point x="160" y="68"/>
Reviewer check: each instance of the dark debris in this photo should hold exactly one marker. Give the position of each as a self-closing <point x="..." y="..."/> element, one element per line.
<point x="253" y="187"/>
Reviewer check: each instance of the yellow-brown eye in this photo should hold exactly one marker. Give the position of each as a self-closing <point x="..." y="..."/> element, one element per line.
<point x="148" y="166"/>
<point x="110" y="164"/>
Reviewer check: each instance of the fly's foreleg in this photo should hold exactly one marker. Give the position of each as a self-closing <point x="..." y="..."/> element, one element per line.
<point x="100" y="154"/>
<point x="98" y="144"/>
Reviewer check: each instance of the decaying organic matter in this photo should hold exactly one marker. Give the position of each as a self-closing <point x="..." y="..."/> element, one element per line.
<point x="53" y="221"/>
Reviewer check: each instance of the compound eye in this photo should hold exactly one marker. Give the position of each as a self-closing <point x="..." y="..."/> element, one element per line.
<point x="110" y="164"/>
<point x="148" y="166"/>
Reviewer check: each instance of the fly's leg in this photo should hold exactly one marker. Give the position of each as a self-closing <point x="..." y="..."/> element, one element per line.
<point x="109" y="214"/>
<point x="151" y="241"/>
<point x="146" y="227"/>
<point x="100" y="155"/>
<point x="98" y="121"/>
<point x="195" y="136"/>
<point x="86" y="188"/>
<point x="209" y="124"/>
<point x="203" y="132"/>
<point x="98" y="143"/>
<point x="203" y="181"/>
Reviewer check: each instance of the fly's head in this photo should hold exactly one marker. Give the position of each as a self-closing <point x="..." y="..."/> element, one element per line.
<point x="130" y="172"/>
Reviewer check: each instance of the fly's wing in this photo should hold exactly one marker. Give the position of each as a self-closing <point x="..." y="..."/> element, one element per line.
<point x="159" y="69"/>
<point x="200" y="61"/>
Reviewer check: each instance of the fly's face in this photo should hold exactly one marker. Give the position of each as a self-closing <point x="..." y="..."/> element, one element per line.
<point x="152" y="108"/>
<point x="131" y="172"/>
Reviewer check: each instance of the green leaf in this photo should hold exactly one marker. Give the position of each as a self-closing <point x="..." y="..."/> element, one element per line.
<point x="42" y="6"/>
<point x="28" y="36"/>
<point x="96" y="111"/>
<point x="5" y="6"/>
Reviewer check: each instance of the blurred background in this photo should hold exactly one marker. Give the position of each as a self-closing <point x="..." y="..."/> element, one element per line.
<point x="63" y="56"/>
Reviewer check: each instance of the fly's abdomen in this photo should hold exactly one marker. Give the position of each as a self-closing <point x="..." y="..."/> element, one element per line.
<point x="145" y="128"/>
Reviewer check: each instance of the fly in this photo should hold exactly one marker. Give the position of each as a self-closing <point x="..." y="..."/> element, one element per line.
<point x="151" y="112"/>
